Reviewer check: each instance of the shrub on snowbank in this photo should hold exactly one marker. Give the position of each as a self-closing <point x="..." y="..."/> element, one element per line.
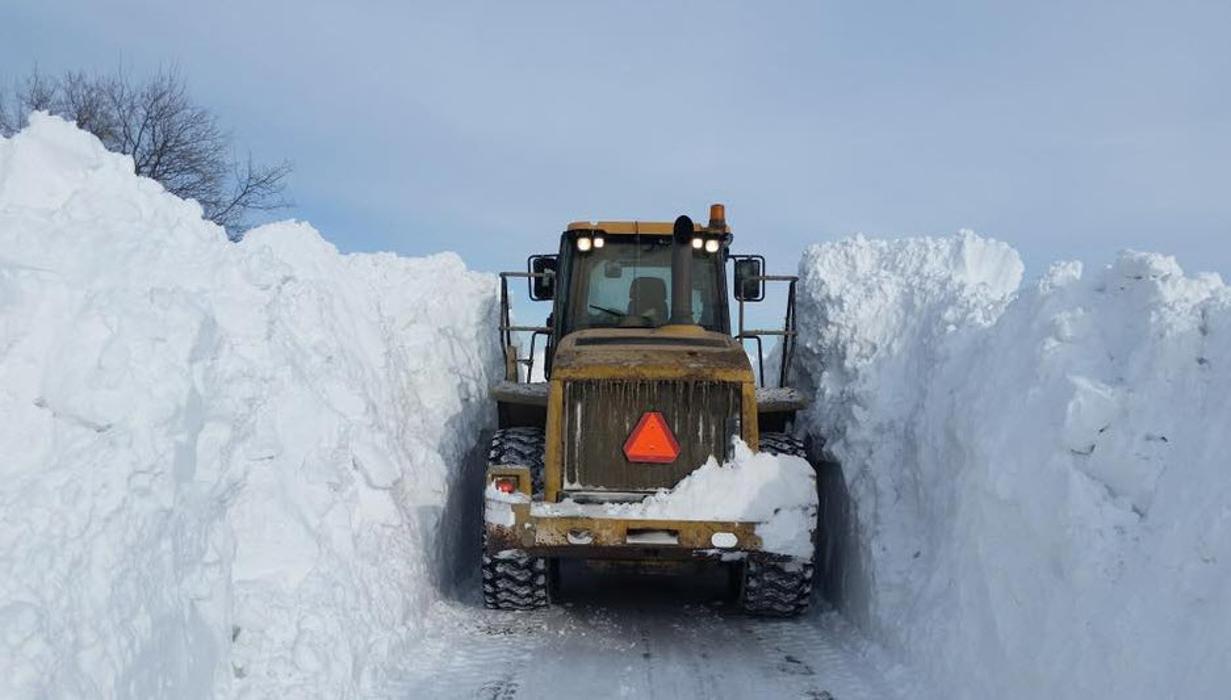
<point x="223" y="465"/>
<point x="1039" y="483"/>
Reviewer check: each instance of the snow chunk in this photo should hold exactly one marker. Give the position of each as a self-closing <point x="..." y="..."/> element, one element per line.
<point x="499" y="506"/>
<point x="776" y="491"/>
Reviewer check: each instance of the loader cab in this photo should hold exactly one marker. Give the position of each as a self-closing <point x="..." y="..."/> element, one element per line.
<point x="618" y="275"/>
<point x="624" y="281"/>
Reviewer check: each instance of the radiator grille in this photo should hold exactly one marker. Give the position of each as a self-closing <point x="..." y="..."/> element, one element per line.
<point x="600" y="415"/>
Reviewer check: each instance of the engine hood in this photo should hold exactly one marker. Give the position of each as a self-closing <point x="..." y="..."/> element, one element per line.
<point x="679" y="352"/>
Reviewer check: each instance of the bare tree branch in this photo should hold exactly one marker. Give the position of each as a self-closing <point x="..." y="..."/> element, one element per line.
<point x="255" y="188"/>
<point x="6" y="125"/>
<point x="38" y="93"/>
<point x="169" y="138"/>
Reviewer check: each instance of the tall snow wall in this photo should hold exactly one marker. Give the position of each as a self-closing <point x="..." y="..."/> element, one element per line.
<point x="1037" y="476"/>
<point x="224" y="467"/>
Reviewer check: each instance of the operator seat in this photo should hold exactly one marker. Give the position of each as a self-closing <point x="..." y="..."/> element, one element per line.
<point x="647" y="297"/>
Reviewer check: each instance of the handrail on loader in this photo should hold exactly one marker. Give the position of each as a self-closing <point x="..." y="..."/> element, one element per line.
<point x="507" y="329"/>
<point x="788" y="332"/>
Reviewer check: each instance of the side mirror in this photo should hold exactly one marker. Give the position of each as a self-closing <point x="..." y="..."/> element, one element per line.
<point x="747" y="286"/>
<point x="543" y="288"/>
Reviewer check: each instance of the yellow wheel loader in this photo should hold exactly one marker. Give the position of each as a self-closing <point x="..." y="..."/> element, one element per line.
<point x="645" y="379"/>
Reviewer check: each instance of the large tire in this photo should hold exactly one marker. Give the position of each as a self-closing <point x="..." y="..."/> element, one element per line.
<point x="514" y="580"/>
<point x="775" y="586"/>
<point x="783" y="444"/>
<point x="521" y="446"/>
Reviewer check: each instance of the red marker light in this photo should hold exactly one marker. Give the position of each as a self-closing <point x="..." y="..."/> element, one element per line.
<point x="506" y="484"/>
<point x="652" y="441"/>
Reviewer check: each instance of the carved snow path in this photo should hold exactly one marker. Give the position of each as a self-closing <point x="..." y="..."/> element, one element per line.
<point x="644" y="637"/>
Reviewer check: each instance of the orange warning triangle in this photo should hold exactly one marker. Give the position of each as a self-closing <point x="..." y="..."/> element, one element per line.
<point x="651" y="441"/>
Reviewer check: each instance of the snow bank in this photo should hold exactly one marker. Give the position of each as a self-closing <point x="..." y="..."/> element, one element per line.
<point x="776" y="491"/>
<point x="1039" y="478"/>
<point x="224" y="465"/>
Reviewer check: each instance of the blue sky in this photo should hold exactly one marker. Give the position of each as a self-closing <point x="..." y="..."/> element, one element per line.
<point x="1069" y="129"/>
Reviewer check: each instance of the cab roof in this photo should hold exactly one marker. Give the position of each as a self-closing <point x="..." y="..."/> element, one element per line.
<point x="717" y="226"/>
<point x="650" y="228"/>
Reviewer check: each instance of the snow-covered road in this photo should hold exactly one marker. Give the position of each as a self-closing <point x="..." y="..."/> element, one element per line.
<point x="621" y="635"/>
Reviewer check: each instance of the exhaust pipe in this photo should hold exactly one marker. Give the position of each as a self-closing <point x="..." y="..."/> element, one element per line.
<point x="681" y="272"/>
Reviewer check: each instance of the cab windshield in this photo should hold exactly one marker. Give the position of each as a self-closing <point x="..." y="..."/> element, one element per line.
<point x="627" y="284"/>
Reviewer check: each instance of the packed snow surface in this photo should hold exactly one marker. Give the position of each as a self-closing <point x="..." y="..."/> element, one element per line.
<point x="1038" y="474"/>
<point x="224" y="465"/>
<point x="776" y="491"/>
<point x="645" y="637"/>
